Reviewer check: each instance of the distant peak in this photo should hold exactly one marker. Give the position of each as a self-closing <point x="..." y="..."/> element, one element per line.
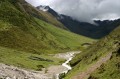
<point x="43" y="7"/>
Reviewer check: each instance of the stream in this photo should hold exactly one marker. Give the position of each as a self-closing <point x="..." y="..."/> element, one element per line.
<point x="65" y="64"/>
<point x="12" y="72"/>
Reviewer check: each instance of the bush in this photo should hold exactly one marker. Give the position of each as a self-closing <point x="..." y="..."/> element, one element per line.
<point x="61" y="76"/>
<point x="40" y="67"/>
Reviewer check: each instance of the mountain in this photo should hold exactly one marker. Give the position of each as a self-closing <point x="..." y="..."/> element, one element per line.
<point x="43" y="8"/>
<point x="99" y="61"/>
<point x="101" y="29"/>
<point x="30" y="39"/>
<point x="26" y="32"/>
<point x="48" y="9"/>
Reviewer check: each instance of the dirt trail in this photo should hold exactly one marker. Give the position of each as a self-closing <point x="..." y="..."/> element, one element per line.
<point x="86" y="74"/>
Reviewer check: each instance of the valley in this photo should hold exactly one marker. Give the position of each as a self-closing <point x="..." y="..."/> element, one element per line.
<point x="50" y="72"/>
<point x="36" y="42"/>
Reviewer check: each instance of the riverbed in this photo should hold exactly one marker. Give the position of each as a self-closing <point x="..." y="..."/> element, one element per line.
<point x="68" y="56"/>
<point x="11" y="72"/>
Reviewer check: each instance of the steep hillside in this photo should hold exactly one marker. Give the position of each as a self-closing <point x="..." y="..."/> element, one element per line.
<point x="26" y="32"/>
<point x="23" y="6"/>
<point x="109" y="70"/>
<point x="88" y="58"/>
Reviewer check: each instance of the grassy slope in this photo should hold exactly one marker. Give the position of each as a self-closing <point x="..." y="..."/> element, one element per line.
<point x="88" y="57"/>
<point x="21" y="26"/>
<point x="109" y="70"/>
<point x="47" y="17"/>
<point x="23" y="59"/>
<point x="22" y="35"/>
<point x="71" y="40"/>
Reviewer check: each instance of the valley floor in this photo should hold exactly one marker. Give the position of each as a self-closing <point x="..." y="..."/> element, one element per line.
<point x="11" y="72"/>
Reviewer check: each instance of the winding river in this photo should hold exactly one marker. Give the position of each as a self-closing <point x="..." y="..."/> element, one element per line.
<point x="65" y="64"/>
<point x="11" y="72"/>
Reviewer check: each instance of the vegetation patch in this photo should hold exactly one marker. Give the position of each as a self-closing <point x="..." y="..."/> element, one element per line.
<point x="40" y="59"/>
<point x="109" y="70"/>
<point x="21" y="59"/>
<point x="61" y="76"/>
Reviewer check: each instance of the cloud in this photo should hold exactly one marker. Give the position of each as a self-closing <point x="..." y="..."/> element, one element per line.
<point x="40" y="2"/>
<point x="84" y="10"/>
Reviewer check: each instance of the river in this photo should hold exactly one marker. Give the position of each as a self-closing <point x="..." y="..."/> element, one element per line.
<point x="69" y="57"/>
<point x="12" y="72"/>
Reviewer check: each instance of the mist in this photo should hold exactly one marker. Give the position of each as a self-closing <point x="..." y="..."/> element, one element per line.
<point x="84" y="10"/>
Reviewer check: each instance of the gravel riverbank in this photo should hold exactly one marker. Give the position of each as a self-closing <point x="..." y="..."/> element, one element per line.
<point x="11" y="72"/>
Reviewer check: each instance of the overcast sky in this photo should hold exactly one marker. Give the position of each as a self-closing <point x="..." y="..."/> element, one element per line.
<point x="84" y="10"/>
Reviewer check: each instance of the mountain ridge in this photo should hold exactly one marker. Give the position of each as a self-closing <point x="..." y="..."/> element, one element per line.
<point x="95" y="31"/>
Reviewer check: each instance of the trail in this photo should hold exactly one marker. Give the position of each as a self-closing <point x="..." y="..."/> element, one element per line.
<point x="86" y="74"/>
